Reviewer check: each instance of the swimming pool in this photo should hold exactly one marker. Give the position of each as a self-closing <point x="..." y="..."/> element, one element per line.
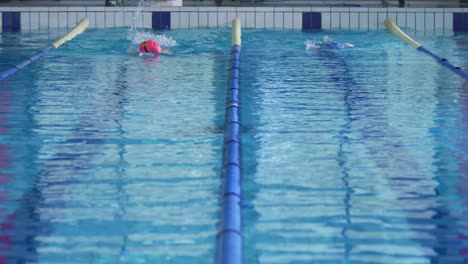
<point x="110" y="157"/>
<point x="356" y="155"/>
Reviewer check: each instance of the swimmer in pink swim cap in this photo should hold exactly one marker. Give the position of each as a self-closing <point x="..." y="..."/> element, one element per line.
<point x="151" y="46"/>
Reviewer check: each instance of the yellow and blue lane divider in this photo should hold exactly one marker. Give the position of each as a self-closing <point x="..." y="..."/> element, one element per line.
<point x="78" y="29"/>
<point x="229" y="237"/>
<point x="397" y="31"/>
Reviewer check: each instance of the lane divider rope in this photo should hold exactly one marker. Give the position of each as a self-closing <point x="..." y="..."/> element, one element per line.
<point x="398" y="32"/>
<point x="78" y="29"/>
<point x="229" y="236"/>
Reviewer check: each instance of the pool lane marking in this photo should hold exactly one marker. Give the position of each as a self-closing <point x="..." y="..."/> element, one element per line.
<point x="397" y="31"/>
<point x="229" y="236"/>
<point x="78" y="29"/>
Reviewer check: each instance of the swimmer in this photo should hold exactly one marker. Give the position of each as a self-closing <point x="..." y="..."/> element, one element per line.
<point x="151" y="46"/>
<point x="327" y="43"/>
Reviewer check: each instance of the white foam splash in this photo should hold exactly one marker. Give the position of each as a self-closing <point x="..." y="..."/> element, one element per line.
<point x="311" y="45"/>
<point x="137" y="36"/>
<point x="163" y="40"/>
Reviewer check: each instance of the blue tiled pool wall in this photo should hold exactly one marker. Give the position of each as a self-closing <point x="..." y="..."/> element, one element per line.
<point x="427" y="20"/>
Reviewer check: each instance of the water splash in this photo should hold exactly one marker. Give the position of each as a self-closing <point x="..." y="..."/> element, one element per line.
<point x="309" y="44"/>
<point x="137" y="36"/>
<point x="133" y="28"/>
<point x="163" y="40"/>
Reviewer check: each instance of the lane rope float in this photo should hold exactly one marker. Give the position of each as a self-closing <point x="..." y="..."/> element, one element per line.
<point x="78" y="29"/>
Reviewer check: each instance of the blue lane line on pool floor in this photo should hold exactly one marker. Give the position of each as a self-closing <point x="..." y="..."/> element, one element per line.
<point x="230" y="226"/>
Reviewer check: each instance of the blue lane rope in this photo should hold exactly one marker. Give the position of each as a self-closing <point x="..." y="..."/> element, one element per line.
<point x="444" y="62"/>
<point x="229" y="248"/>
<point x="24" y="63"/>
<point x="400" y="33"/>
<point x="79" y="28"/>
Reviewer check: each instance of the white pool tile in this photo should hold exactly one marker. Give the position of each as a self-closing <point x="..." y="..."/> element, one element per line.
<point x="452" y="10"/>
<point x="401" y="19"/>
<point x="190" y="9"/>
<point x="147" y="20"/>
<point x="302" y="9"/>
<point x="175" y="20"/>
<point x="411" y="20"/>
<point x="377" y="10"/>
<point x="373" y="20"/>
<point x="326" y="21"/>
<point x="448" y="24"/>
<point x="119" y="19"/>
<point x="297" y="20"/>
<point x="63" y="19"/>
<point x="283" y="9"/>
<point x="39" y="9"/>
<point x="288" y="20"/>
<point x="203" y="19"/>
<point x="245" y="9"/>
<point x="321" y="9"/>
<point x="76" y="9"/>
<point x="34" y="19"/>
<point x="269" y="20"/>
<point x="109" y="18"/>
<point x="344" y="20"/>
<point x="184" y="19"/>
<point x="429" y="23"/>
<point x="227" y="9"/>
<point x="193" y="20"/>
<point x="128" y="18"/>
<point x="340" y="9"/>
<point x="434" y="10"/>
<point x="381" y="20"/>
<point x="250" y="20"/>
<point x="95" y="8"/>
<point x="354" y="20"/>
<point x="44" y="20"/>
<point x="278" y="20"/>
<point x="212" y="19"/>
<point x="53" y="20"/>
<point x="100" y="20"/>
<point x="264" y="9"/>
<point x="222" y="19"/>
<point x="260" y="20"/>
<point x="58" y="9"/>
<point x="363" y="21"/>
<point x="138" y="21"/>
<point x="335" y="20"/>
<point x="439" y="20"/>
<point x="25" y="20"/>
<point x="426" y="20"/>
<point x="420" y="20"/>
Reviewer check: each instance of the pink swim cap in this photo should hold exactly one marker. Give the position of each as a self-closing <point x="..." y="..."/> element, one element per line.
<point x="150" y="46"/>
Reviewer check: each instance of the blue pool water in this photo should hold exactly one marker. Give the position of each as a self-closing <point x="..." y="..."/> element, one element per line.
<point x="356" y="155"/>
<point x="351" y="156"/>
<point x="108" y="157"/>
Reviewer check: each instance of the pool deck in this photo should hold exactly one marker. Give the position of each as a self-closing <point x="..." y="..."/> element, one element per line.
<point x="232" y="3"/>
<point x="26" y="15"/>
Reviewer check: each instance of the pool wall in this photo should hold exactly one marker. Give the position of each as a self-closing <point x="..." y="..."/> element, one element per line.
<point x="439" y="21"/>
